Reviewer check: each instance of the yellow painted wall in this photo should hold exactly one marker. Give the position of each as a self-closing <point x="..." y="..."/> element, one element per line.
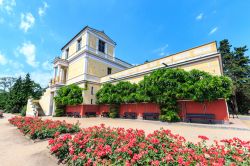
<point x="175" y="58"/>
<point x="72" y="49"/>
<point x="87" y="96"/>
<point x="73" y="45"/>
<point x="92" y="41"/>
<point x="75" y="68"/>
<point x="110" y="50"/>
<point x="210" y="65"/>
<point x="98" y="68"/>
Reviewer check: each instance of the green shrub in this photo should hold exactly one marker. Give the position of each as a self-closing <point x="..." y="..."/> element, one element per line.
<point x="170" y="116"/>
<point x="114" y="111"/>
<point x="59" y="111"/>
<point x="23" y="111"/>
<point x="67" y="95"/>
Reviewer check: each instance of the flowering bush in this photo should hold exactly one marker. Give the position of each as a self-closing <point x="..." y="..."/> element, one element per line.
<point x="100" y="145"/>
<point x="37" y="128"/>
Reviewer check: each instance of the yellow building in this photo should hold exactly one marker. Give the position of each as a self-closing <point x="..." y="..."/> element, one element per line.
<point x="88" y="60"/>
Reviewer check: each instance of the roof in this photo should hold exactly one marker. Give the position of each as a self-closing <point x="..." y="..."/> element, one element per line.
<point x="94" y="31"/>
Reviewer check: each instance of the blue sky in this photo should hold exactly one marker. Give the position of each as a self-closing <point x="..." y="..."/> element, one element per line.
<point x="33" y="32"/>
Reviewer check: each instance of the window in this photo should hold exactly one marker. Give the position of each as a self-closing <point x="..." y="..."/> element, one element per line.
<point x="109" y="70"/>
<point x="101" y="46"/>
<point x="67" y="53"/>
<point x="91" y="101"/>
<point x="79" y="44"/>
<point x="92" y="90"/>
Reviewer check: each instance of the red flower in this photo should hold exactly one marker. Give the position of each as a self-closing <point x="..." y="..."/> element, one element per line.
<point x="203" y="137"/>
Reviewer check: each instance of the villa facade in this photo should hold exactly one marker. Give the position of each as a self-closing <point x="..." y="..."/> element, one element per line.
<point x="89" y="61"/>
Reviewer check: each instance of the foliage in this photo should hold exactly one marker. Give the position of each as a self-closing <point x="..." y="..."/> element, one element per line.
<point x="3" y="96"/>
<point x="236" y="65"/>
<point x="19" y="93"/>
<point x="165" y="87"/>
<point x="69" y="95"/>
<point x="114" y="111"/>
<point x="37" y="128"/>
<point x="24" y="109"/>
<point x="122" y="92"/>
<point x="6" y="83"/>
<point x="100" y="145"/>
<point x="59" y="110"/>
<point x="169" y="116"/>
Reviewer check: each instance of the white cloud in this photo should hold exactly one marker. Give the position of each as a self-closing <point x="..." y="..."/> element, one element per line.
<point x="15" y="65"/>
<point x="199" y="17"/>
<point x="27" y="21"/>
<point x="42" y="10"/>
<point x="47" y="65"/>
<point x="9" y="62"/>
<point x="28" y="49"/>
<point x="41" y="77"/>
<point x="3" y="60"/>
<point x="213" y="30"/>
<point x="162" y="50"/>
<point x="7" y="5"/>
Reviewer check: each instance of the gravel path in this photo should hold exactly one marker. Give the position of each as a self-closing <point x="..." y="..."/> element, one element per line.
<point x="17" y="150"/>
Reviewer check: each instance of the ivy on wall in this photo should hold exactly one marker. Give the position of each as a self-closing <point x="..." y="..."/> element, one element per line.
<point x="165" y="87"/>
<point x="67" y="95"/>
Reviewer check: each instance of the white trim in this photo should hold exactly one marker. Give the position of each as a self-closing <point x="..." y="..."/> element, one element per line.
<point x="83" y="77"/>
<point x="121" y="75"/>
<point x="85" y="64"/>
<point x="105" y="61"/>
<point x="73" y="41"/>
<point x="100" y="37"/>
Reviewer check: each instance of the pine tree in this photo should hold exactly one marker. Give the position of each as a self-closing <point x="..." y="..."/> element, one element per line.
<point x="236" y="66"/>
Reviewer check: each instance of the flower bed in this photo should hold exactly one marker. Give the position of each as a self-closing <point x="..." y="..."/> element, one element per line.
<point x="37" y="128"/>
<point x="100" y="145"/>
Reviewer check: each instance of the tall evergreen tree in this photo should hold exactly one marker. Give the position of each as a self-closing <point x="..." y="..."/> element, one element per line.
<point x="236" y="65"/>
<point x="19" y="93"/>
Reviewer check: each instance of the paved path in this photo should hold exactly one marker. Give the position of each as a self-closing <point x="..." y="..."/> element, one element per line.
<point x="17" y="150"/>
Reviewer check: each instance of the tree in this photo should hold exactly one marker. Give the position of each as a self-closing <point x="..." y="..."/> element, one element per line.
<point x="7" y="82"/>
<point x="236" y="66"/>
<point x="19" y="93"/>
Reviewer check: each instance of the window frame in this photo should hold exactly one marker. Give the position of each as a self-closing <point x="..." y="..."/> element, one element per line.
<point x="67" y="53"/>
<point x="79" y="44"/>
<point x="100" y="47"/>
<point x="109" y="69"/>
<point x="92" y="90"/>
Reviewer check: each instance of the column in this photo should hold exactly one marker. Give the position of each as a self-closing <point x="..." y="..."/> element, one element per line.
<point x="62" y="75"/>
<point x="54" y="72"/>
<point x="59" y="73"/>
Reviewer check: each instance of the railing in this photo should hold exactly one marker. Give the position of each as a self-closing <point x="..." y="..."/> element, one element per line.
<point x="56" y="80"/>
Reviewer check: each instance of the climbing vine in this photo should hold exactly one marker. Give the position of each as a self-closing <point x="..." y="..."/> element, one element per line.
<point x="165" y="87"/>
<point x="67" y="95"/>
